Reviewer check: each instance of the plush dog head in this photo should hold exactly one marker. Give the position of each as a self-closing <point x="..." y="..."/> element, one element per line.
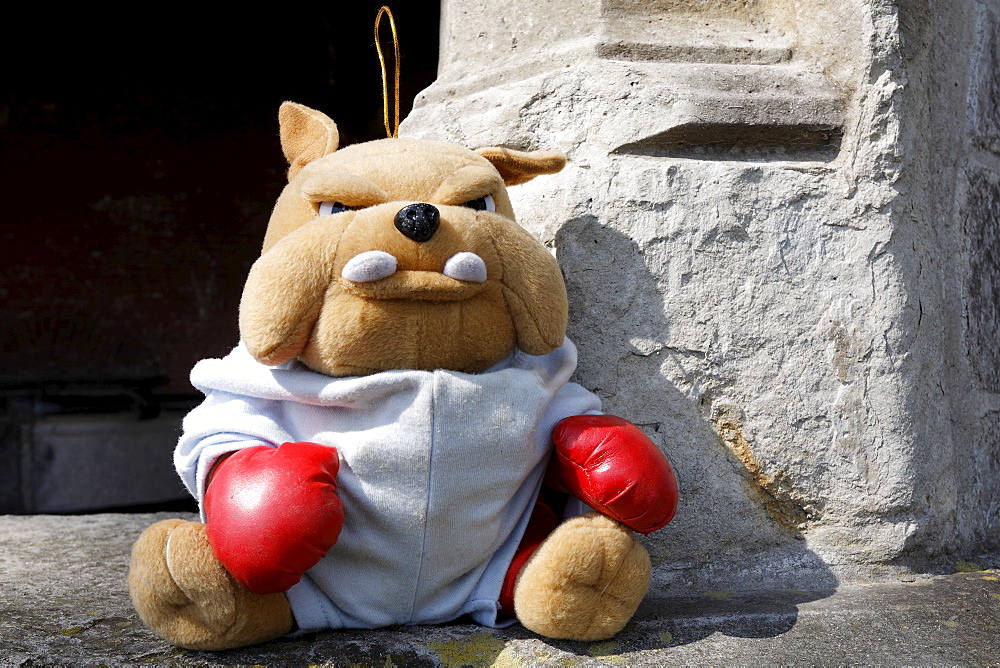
<point x="399" y="254"/>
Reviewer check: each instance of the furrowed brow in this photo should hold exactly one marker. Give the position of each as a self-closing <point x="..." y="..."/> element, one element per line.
<point x="466" y="184"/>
<point x="338" y="186"/>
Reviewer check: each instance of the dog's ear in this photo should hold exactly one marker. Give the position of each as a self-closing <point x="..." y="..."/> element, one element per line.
<point x="521" y="166"/>
<point x="284" y="292"/>
<point x="533" y="288"/>
<point x="306" y="134"/>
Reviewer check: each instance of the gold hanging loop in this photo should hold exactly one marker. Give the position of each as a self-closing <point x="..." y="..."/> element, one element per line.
<point x="394" y="130"/>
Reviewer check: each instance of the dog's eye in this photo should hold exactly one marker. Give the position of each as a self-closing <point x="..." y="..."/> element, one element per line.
<point x="326" y="208"/>
<point x="484" y="203"/>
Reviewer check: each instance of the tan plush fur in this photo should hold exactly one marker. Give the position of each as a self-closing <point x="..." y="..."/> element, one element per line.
<point x="184" y="594"/>
<point x="296" y="304"/>
<point x="584" y="582"/>
<point x="311" y="134"/>
<point x="588" y="577"/>
<point x="517" y="167"/>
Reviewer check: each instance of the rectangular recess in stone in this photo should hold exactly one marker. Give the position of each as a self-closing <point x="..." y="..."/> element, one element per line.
<point x="693" y="53"/>
<point x="690" y="32"/>
<point x="725" y="141"/>
<point x="720" y="41"/>
<point x="981" y="222"/>
<point x="749" y="8"/>
<point x="984" y="88"/>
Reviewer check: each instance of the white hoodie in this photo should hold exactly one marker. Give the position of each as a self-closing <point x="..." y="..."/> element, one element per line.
<point x="439" y="471"/>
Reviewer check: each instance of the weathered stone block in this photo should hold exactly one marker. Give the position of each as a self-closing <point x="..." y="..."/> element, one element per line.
<point x="759" y="238"/>
<point x="65" y="602"/>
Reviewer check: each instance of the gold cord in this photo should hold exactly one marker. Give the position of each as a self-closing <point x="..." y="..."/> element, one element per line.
<point x="385" y="84"/>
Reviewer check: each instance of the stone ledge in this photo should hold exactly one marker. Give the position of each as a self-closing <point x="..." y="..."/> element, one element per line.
<point x="64" y="601"/>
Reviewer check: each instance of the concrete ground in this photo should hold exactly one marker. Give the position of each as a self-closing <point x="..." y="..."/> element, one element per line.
<point x="63" y="600"/>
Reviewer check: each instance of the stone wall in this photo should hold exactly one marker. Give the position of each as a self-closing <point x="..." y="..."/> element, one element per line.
<point x="779" y="232"/>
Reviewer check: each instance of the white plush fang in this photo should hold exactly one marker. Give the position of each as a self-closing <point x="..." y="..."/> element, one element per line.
<point x="465" y="267"/>
<point x="369" y="266"/>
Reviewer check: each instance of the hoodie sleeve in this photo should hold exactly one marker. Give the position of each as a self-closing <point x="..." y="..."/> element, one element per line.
<point x="572" y="399"/>
<point x="224" y="423"/>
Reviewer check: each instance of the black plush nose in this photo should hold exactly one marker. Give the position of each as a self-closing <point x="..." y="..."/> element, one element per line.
<point x="418" y="221"/>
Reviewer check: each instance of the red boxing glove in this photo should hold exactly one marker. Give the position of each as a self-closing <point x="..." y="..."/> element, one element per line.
<point x="609" y="464"/>
<point x="272" y="514"/>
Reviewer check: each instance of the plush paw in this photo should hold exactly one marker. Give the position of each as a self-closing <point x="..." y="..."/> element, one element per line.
<point x="584" y="582"/>
<point x="183" y="593"/>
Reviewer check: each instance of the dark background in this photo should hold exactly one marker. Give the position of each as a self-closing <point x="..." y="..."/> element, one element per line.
<point x="139" y="161"/>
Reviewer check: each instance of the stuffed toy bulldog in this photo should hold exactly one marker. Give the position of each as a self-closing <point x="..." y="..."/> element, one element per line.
<point x="395" y="440"/>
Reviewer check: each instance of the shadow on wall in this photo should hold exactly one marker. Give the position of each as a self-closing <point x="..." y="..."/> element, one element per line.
<point x="731" y="534"/>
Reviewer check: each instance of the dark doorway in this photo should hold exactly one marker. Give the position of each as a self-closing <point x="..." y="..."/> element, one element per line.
<point x="140" y="161"/>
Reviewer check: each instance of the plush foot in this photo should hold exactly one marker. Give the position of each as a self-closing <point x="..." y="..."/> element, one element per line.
<point x="584" y="582"/>
<point x="184" y="594"/>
